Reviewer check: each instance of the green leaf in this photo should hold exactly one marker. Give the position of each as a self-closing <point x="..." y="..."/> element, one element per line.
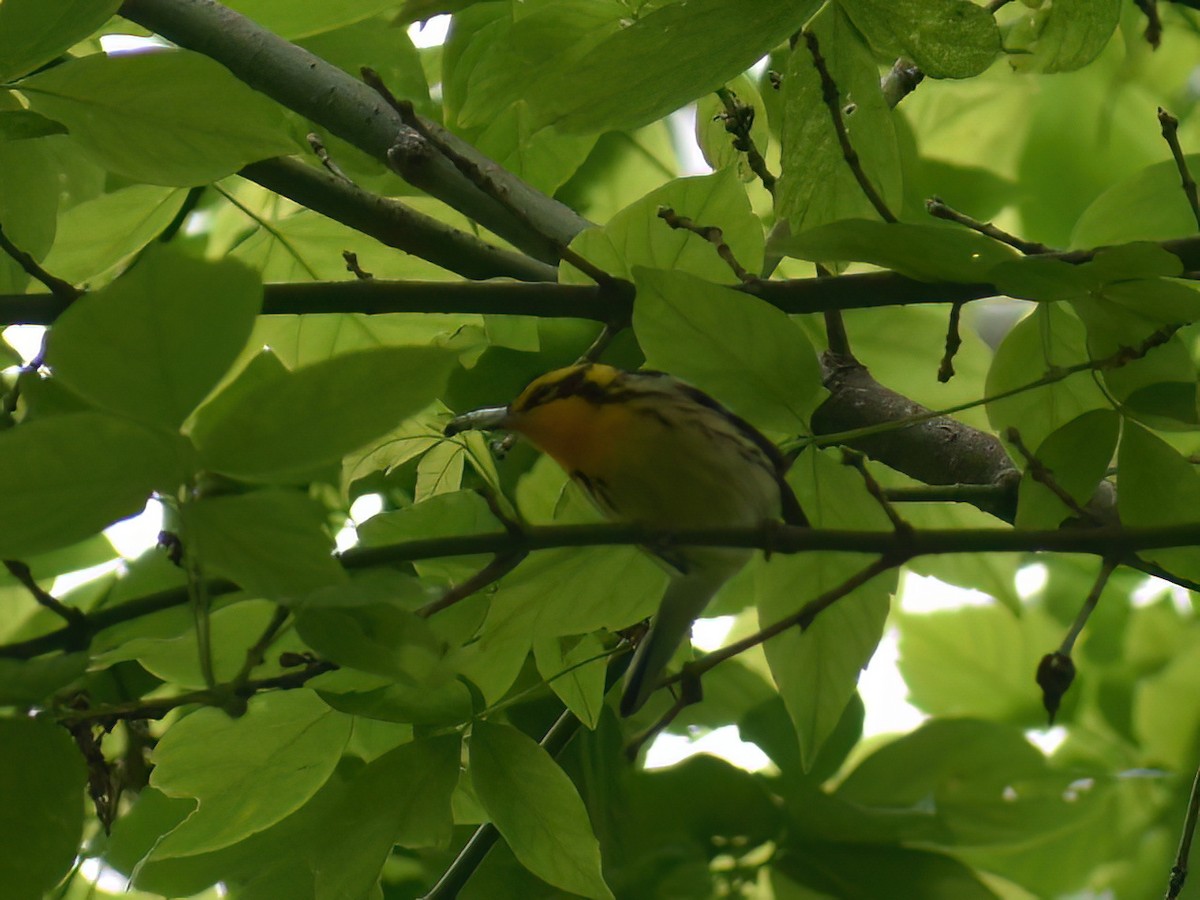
<point x="297" y="20"/>
<point x="23" y="124"/>
<point x="661" y="61"/>
<point x="494" y="54"/>
<point x="42" y="777"/>
<point x="743" y="351"/>
<point x="30" y="682"/>
<point x="1166" y="728"/>
<point x="1158" y="487"/>
<point x="946" y="38"/>
<point x="816" y="186"/>
<point x="1146" y="206"/>
<point x="401" y="796"/>
<point x="152" y="344"/>
<point x="248" y="773"/>
<point x="172" y="117"/>
<point x="977" y="661"/>
<point x="556" y="593"/>
<point x="959" y="770"/>
<point x="817" y="669"/>
<point x="105" y="231"/>
<point x="373" y="637"/>
<point x="462" y="512"/>
<point x="1049" y="338"/>
<point x="537" y="810"/>
<point x="923" y="252"/>
<point x="64" y="478"/>
<point x="272" y="543"/>
<point x="448" y="703"/>
<point x="28" y="205"/>
<point x="32" y="33"/>
<point x="872" y="870"/>
<point x="166" y="647"/>
<point x="1077" y="456"/>
<point x="314" y="416"/>
<point x="1062" y="36"/>
<point x="637" y="236"/>
<point x="575" y="671"/>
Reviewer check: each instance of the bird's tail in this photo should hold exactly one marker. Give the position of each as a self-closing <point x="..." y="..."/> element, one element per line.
<point x="683" y="602"/>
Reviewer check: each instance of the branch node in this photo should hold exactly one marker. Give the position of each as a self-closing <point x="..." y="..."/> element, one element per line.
<point x="1170" y="132"/>
<point x="937" y="208"/>
<point x="829" y="93"/>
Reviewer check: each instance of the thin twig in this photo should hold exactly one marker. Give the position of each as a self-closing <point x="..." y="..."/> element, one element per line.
<point x="500" y="566"/>
<point x="938" y="209"/>
<point x="857" y="461"/>
<point x="710" y="233"/>
<point x="1153" y="31"/>
<point x="256" y="653"/>
<point x="607" y="333"/>
<point x="829" y="92"/>
<point x="1170" y="133"/>
<point x="1179" y="871"/>
<point x="476" y="175"/>
<point x="953" y="342"/>
<point x="739" y="119"/>
<point x="1056" y="671"/>
<point x="219" y="696"/>
<point x="72" y="616"/>
<point x="802" y="619"/>
<point x="1042" y="474"/>
<point x="63" y="290"/>
<point x="836" y="337"/>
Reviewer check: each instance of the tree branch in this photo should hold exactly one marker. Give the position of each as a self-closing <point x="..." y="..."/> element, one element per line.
<point x="392" y="223"/>
<point x="1107" y="541"/>
<point x="348" y="108"/>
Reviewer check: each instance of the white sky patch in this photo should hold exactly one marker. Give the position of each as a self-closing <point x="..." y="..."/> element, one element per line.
<point x="926" y="594"/>
<point x="1031" y="579"/>
<point x="106" y="879"/>
<point x="1047" y="739"/>
<point x="430" y="33"/>
<point x="710" y="634"/>
<point x="124" y="44"/>
<point x="134" y="536"/>
<point x="25" y="339"/>
<point x="682" y="124"/>
<point x="884" y="693"/>
<point x="363" y="508"/>
<point x="69" y="581"/>
<point x="725" y="742"/>
<point x="1152" y="590"/>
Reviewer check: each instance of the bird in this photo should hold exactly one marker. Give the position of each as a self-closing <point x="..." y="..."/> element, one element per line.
<point x="650" y="449"/>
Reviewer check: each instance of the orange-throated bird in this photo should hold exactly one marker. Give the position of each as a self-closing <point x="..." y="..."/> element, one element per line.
<point x="652" y="450"/>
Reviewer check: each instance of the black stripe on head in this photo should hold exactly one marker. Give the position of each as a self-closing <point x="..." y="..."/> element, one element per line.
<point x="576" y="382"/>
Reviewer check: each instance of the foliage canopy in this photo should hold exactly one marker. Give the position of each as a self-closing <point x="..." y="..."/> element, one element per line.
<point x="259" y="342"/>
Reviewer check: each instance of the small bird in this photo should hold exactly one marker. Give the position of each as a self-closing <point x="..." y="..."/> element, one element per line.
<point x="649" y="449"/>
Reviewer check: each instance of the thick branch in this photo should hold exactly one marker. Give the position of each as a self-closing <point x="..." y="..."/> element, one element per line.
<point x="938" y="450"/>
<point x="351" y="110"/>
<point x="392" y="223"/>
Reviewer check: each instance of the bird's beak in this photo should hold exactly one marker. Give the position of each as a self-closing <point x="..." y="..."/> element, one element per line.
<point x="478" y="420"/>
